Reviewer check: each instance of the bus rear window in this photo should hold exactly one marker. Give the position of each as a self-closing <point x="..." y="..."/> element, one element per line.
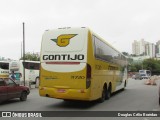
<point x="4" y="66"/>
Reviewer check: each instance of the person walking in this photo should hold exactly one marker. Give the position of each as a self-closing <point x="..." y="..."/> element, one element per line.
<point x="13" y="76"/>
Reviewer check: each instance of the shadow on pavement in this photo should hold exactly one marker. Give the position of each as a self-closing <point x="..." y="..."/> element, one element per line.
<point x="69" y="104"/>
<point x="79" y="105"/>
<point x="10" y="102"/>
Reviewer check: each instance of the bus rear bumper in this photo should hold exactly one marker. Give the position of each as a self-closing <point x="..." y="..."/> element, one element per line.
<point x="71" y="94"/>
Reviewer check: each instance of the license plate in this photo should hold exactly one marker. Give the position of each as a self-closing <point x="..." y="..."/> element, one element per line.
<point x="61" y="90"/>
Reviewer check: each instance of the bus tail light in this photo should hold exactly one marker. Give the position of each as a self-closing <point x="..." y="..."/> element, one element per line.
<point x="88" y="76"/>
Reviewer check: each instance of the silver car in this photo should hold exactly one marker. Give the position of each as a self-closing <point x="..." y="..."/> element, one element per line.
<point x="138" y="77"/>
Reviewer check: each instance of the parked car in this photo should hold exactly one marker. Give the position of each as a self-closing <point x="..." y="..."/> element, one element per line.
<point x="9" y="90"/>
<point x="138" y="76"/>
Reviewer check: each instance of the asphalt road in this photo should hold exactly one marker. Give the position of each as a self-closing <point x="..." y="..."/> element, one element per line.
<point x="136" y="97"/>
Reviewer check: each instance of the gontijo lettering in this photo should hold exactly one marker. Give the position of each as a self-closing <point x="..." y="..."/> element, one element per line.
<point x="64" y="57"/>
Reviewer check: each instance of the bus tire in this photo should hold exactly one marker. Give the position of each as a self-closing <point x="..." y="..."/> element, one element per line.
<point x="23" y="96"/>
<point x="103" y="97"/>
<point x="108" y="93"/>
<point x="125" y="84"/>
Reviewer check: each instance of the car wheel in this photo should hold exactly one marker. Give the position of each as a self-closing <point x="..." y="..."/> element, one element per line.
<point x="23" y="96"/>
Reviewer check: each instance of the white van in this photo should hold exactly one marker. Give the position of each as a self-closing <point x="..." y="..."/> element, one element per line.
<point x="145" y="74"/>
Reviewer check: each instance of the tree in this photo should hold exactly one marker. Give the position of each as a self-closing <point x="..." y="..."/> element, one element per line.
<point x="133" y="55"/>
<point x="132" y="68"/>
<point x="31" y="56"/>
<point x="125" y="53"/>
<point x="153" y="65"/>
<point x="148" y="64"/>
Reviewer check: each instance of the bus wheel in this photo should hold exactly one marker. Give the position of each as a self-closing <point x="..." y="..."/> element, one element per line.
<point x="125" y="84"/>
<point x="108" y="93"/>
<point x="102" y="99"/>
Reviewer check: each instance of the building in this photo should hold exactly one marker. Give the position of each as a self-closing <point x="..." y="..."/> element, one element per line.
<point x="150" y="50"/>
<point x="135" y="47"/>
<point x="138" y="47"/>
<point x="4" y="59"/>
<point x="143" y="48"/>
<point x="158" y="49"/>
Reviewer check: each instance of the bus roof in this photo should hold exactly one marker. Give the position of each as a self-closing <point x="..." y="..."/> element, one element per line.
<point x="89" y="31"/>
<point x="106" y="42"/>
<point x="4" y="61"/>
<point x="25" y="61"/>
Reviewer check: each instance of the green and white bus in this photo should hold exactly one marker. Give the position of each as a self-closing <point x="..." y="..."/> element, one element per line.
<point x="31" y="70"/>
<point x="4" y="69"/>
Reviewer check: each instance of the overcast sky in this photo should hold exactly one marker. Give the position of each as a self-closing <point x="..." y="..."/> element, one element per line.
<point x="119" y="22"/>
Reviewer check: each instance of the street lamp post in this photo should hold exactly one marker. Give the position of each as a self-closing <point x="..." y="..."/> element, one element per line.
<point x="24" y="52"/>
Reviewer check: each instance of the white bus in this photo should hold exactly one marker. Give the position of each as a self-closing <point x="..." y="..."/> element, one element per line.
<point x="4" y="69"/>
<point x="31" y="71"/>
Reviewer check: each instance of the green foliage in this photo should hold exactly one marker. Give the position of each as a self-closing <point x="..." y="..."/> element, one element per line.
<point x="125" y="53"/>
<point x="133" y="55"/>
<point x="132" y="68"/>
<point x="31" y="56"/>
<point x="152" y="64"/>
<point x="148" y="64"/>
<point x="135" y="67"/>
